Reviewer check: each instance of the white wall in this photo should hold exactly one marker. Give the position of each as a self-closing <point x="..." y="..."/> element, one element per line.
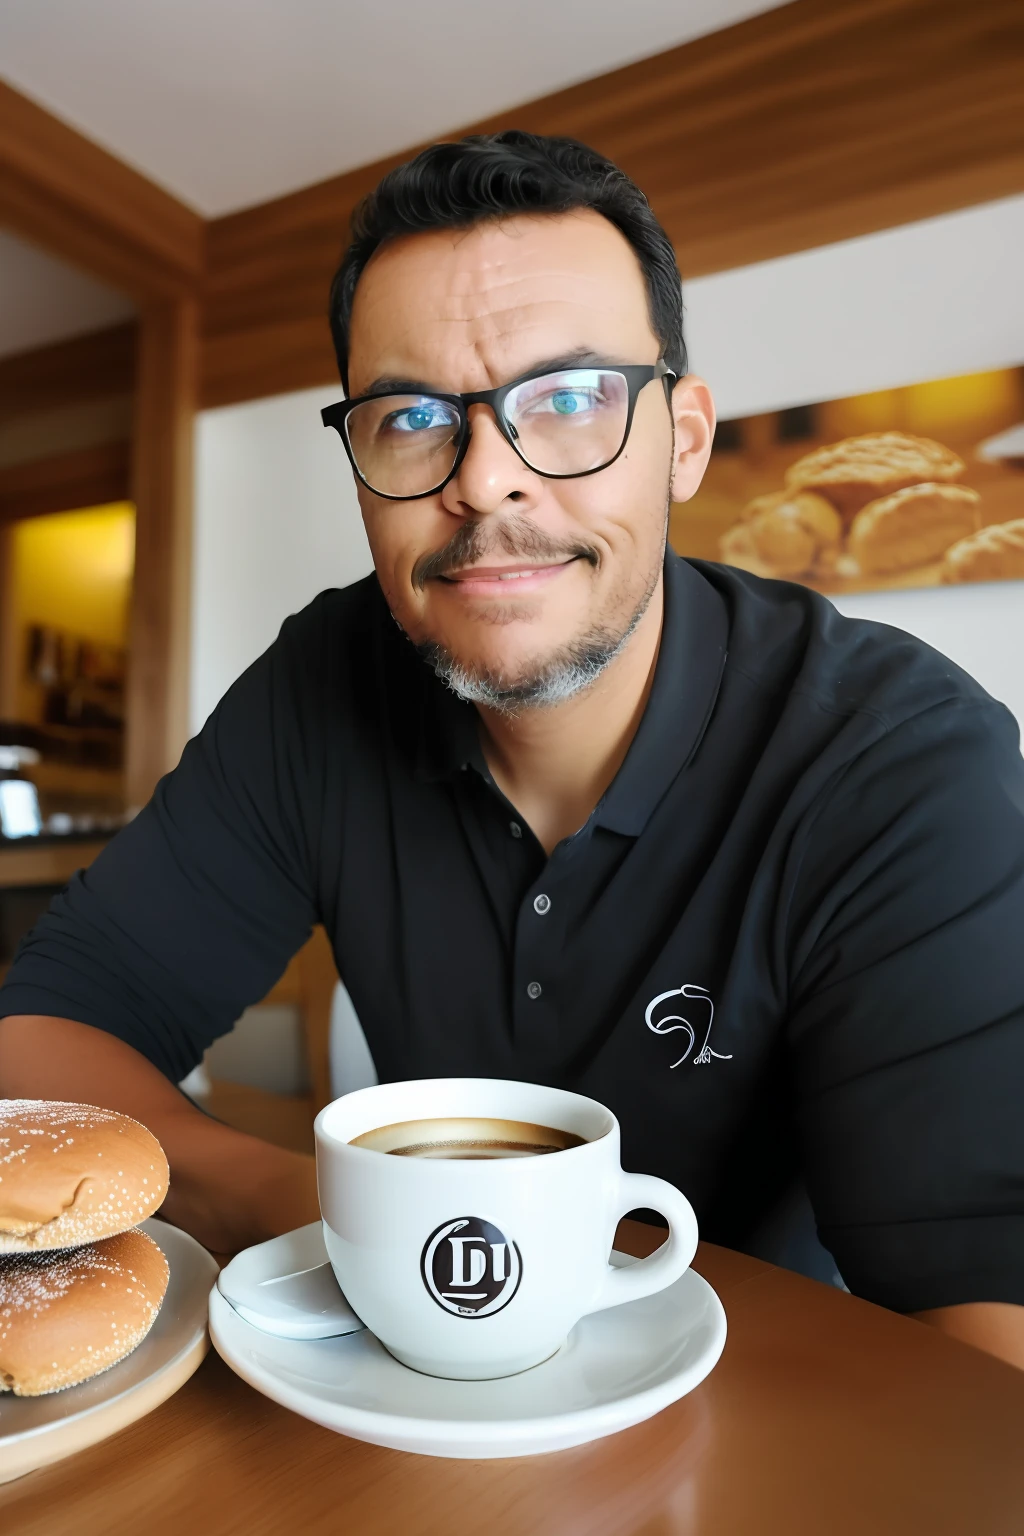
<point x="276" y="522"/>
<point x="276" y="514"/>
<point x="924" y="301"/>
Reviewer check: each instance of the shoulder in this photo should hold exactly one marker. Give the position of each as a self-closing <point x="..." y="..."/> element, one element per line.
<point x="323" y="657"/>
<point x="336" y="614"/>
<point x="791" y="640"/>
<point x="342" y="643"/>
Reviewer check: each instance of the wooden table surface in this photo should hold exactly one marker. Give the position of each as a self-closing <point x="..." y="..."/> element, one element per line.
<point x="825" y="1417"/>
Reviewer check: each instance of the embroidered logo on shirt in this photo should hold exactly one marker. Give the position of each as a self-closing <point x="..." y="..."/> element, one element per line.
<point x="668" y="1023"/>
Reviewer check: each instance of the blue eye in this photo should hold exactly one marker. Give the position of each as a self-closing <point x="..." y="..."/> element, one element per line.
<point x="565" y="401"/>
<point x="424" y="416"/>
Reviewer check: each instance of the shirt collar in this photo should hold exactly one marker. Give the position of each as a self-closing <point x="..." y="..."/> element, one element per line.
<point x="687" y="677"/>
<point x="449" y="736"/>
<point x="691" y="660"/>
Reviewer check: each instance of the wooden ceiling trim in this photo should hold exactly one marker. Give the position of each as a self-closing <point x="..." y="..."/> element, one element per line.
<point x="83" y="204"/>
<point x="812" y="123"/>
<point x="266" y="360"/>
<point x="91" y="367"/>
<point x="88" y="477"/>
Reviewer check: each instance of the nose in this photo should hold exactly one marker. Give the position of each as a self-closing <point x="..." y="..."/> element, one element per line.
<point x="491" y="475"/>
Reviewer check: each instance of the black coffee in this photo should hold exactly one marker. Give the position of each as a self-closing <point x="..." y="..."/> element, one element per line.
<point x="468" y="1137"/>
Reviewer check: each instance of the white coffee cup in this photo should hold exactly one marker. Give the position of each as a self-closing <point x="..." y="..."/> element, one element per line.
<point x="528" y="1238"/>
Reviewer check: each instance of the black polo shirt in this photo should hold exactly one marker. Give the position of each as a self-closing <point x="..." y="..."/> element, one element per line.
<point x="791" y="935"/>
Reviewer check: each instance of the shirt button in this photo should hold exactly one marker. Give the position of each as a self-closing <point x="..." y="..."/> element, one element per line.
<point x="534" y="990"/>
<point x="541" y="904"/>
<point x="515" y="829"/>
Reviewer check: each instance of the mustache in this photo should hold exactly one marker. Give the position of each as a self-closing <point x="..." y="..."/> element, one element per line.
<point x="515" y="536"/>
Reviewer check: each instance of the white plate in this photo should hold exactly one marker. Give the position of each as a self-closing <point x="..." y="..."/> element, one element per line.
<point x="38" y="1430"/>
<point x="617" y="1368"/>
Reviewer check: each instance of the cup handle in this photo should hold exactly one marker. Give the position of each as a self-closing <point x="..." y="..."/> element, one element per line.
<point x="671" y="1260"/>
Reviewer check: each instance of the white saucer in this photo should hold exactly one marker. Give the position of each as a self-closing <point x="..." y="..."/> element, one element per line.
<point x="617" y="1368"/>
<point x="287" y="1287"/>
<point x="37" y="1430"/>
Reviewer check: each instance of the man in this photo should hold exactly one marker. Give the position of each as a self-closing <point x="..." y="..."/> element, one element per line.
<point x="573" y="809"/>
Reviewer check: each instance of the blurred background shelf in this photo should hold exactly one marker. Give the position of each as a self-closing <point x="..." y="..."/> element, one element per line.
<point x="45" y="864"/>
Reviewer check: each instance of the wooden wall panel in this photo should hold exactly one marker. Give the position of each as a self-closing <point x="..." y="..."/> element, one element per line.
<point x="157" y="703"/>
<point x="63" y="191"/>
<point x="812" y="123"/>
<point x="9" y="654"/>
<point x="88" y="477"/>
<point x="91" y="367"/>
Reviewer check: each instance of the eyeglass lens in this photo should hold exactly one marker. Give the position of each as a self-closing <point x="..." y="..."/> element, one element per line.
<point x="562" y="424"/>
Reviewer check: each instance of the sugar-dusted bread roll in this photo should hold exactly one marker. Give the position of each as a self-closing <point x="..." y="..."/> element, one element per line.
<point x="861" y="469"/>
<point x="995" y="553"/>
<point x="67" y="1316"/>
<point x="912" y="527"/>
<point x="71" y="1173"/>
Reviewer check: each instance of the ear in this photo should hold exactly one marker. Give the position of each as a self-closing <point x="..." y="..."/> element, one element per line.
<point x="693" y="412"/>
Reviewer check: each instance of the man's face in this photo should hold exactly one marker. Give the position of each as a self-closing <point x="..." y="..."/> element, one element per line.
<point x="531" y="570"/>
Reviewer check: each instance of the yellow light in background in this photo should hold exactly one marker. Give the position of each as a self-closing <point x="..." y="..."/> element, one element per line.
<point x="964" y="408"/>
<point x="962" y="404"/>
<point x="73" y="570"/>
<point x="881" y="411"/>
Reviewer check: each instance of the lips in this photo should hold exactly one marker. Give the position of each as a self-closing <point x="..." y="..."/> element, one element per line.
<point x="471" y="575"/>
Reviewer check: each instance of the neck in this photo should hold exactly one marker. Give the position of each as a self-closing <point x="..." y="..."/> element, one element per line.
<point x="555" y="762"/>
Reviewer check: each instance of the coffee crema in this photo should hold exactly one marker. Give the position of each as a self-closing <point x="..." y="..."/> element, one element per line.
<point x="468" y="1138"/>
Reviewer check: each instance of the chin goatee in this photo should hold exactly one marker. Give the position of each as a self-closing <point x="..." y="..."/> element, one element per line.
<point x="549" y="680"/>
<point x="558" y="677"/>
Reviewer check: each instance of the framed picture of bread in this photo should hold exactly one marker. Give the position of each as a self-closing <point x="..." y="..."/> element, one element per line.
<point x="912" y="487"/>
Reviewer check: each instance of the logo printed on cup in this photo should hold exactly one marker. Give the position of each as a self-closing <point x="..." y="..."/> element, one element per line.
<point x="470" y="1267"/>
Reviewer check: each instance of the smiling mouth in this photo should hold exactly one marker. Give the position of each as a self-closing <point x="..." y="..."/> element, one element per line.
<point x="509" y="573"/>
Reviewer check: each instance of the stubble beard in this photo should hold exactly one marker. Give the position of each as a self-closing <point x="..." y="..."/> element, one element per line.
<point x="563" y="673"/>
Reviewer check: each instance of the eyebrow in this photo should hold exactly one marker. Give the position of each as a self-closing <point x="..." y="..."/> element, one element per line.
<point x="580" y="357"/>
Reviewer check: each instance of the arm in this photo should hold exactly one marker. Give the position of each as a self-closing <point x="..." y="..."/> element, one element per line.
<point x="229" y="1190"/>
<point x="997" y="1327"/>
<point x="189" y="915"/>
<point x="907" y="1023"/>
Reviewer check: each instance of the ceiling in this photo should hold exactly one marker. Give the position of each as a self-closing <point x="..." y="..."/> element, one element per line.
<point x="45" y="300"/>
<point x="231" y="102"/>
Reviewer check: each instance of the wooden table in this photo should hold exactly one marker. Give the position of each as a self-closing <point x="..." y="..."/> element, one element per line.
<point x="825" y="1417"/>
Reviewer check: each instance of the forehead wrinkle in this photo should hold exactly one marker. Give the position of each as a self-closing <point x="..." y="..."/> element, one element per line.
<point x="480" y="291"/>
<point x="469" y="324"/>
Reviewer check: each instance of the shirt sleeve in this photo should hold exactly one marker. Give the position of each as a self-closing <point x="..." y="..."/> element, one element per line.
<point x="192" y="912"/>
<point x="906" y="1022"/>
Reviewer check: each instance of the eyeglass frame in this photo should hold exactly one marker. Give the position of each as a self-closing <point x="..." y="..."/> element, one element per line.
<point x="636" y="375"/>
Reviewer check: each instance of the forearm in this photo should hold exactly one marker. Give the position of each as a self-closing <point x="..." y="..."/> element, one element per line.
<point x="994" y="1326"/>
<point x="227" y="1189"/>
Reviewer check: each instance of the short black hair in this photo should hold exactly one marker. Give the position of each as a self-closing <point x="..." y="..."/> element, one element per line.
<point x="496" y="175"/>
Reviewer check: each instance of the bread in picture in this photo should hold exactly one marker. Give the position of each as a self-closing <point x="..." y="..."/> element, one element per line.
<point x="72" y="1173"/>
<point x="68" y="1315"/>
<point x="735" y="547"/>
<point x="912" y="527"/>
<point x="858" y="470"/>
<point x="995" y="553"/>
<point x="791" y="533"/>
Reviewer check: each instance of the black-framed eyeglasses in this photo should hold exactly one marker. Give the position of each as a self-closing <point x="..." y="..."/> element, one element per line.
<point x="565" y="424"/>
